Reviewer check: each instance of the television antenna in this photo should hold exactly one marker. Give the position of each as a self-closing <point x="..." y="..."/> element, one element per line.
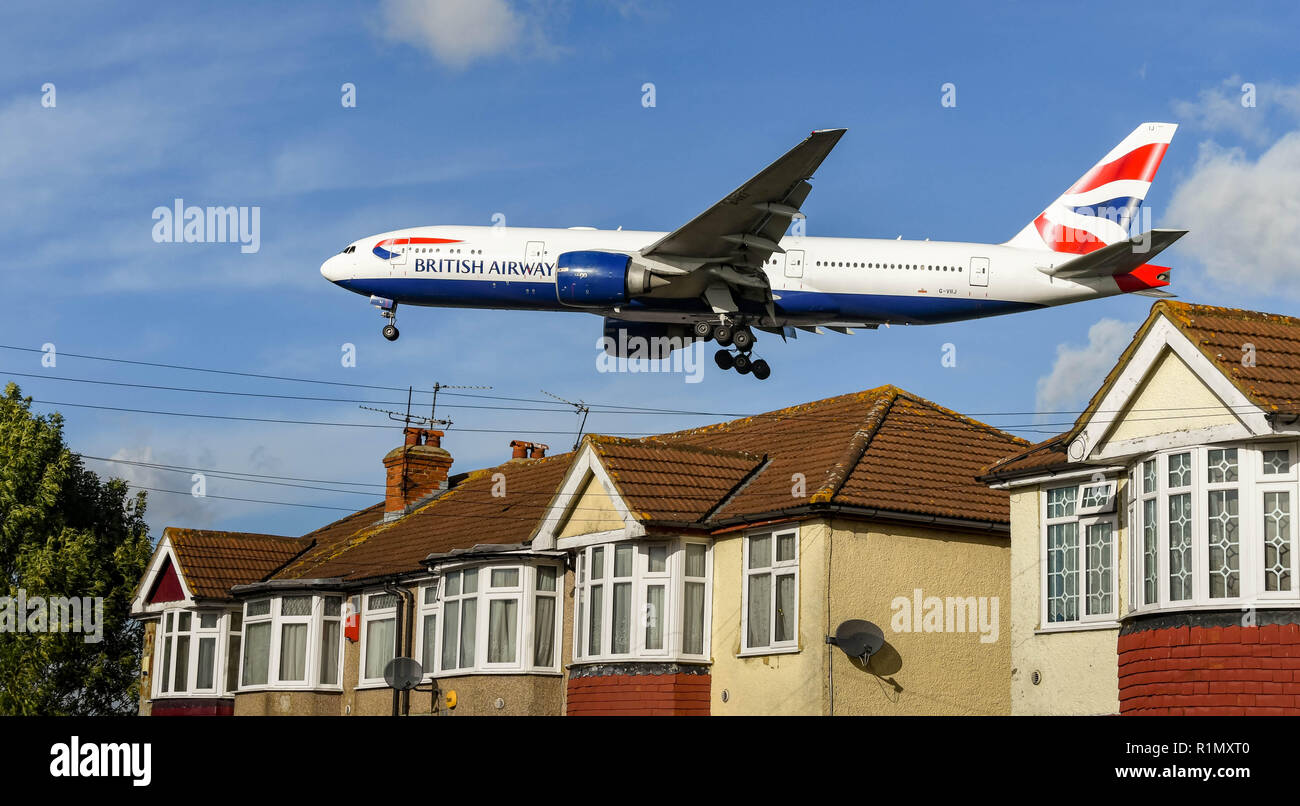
<point x="433" y="410"/>
<point x="581" y="409"/>
<point x="408" y="419"/>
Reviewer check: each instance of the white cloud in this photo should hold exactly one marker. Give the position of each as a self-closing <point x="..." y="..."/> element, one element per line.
<point x="1244" y="214"/>
<point x="1079" y="370"/>
<point x="1241" y="108"/>
<point x="456" y="32"/>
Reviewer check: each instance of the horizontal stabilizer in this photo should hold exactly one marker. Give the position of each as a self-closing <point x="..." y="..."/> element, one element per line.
<point x="1156" y="292"/>
<point x="1120" y="257"/>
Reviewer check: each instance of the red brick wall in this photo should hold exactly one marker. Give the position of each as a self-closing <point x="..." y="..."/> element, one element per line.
<point x="639" y="695"/>
<point x="196" y="707"/>
<point x="1225" y="670"/>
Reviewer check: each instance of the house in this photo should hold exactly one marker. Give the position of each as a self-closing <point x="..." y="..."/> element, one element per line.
<point x="698" y="572"/>
<point x="1153" y="544"/>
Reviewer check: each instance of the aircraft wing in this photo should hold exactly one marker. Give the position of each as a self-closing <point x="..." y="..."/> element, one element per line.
<point x="744" y="227"/>
<point x="1120" y="257"/>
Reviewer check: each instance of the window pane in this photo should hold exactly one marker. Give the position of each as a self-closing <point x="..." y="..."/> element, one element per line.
<point x="785" y="547"/>
<point x="452" y="587"/>
<point x="502" y="629"/>
<point x="657" y="558"/>
<point x="181" y="680"/>
<point x="544" y="632"/>
<point x="257" y="653"/>
<point x="760" y="552"/>
<point x="546" y="577"/>
<point x="693" y="617"/>
<point x="695" y="556"/>
<point x="293" y="652"/>
<point x="759" y="611"/>
<point x="1150" y="528"/>
<point x="623" y="560"/>
<point x="1061" y="501"/>
<point x="329" y="653"/>
<point x="1180" y="546"/>
<point x="785" y="608"/>
<point x="333" y="606"/>
<point x="184" y="621"/>
<point x="299" y="605"/>
<point x="622" y="617"/>
<point x="236" y="621"/>
<point x="1221" y="465"/>
<point x="1063" y="572"/>
<point x="379" y="601"/>
<point x="380" y="642"/>
<point x="594" y="622"/>
<point x="1149" y="476"/>
<point x="1099" y="581"/>
<point x="1277" y="541"/>
<point x="654" y="615"/>
<point x="209" y="621"/>
<point x="428" y="642"/>
<point x="167" y="621"/>
<point x="598" y="562"/>
<point x="164" y="674"/>
<point x="1277" y="462"/>
<point x="505" y="577"/>
<point x="450" y="634"/>
<point x="1225" y="573"/>
<point x="207" y="662"/>
<point x="1180" y="470"/>
<point x="1096" y="496"/>
<point x="232" y="663"/>
<point x="262" y="607"/>
<point x="468" y="630"/>
<point x="469" y="581"/>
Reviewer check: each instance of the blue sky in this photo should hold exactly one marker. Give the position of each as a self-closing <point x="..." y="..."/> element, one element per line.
<point x="533" y="110"/>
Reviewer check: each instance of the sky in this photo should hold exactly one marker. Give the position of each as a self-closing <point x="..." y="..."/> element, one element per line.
<point x="467" y="111"/>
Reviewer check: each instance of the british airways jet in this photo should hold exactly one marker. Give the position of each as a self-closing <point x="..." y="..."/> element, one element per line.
<point x="734" y="269"/>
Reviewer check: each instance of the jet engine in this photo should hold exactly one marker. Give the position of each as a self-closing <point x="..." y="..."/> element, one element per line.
<point x="592" y="279"/>
<point x="655" y="340"/>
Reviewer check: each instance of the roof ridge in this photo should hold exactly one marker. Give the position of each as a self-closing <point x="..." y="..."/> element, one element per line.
<point x="925" y="401"/>
<point x="839" y="473"/>
<point x="1179" y="306"/>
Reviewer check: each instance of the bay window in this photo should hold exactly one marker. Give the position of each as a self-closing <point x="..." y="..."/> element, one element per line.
<point x="192" y="653"/>
<point x="1079" y="553"/>
<point x="771" y="592"/>
<point x="290" y="641"/>
<point x="1214" y="526"/>
<point x="491" y="618"/>
<point x="642" y="599"/>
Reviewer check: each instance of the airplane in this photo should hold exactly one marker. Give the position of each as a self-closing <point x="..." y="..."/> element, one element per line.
<point x="734" y="268"/>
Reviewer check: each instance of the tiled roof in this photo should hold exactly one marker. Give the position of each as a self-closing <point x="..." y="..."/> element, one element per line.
<point x="212" y="562"/>
<point x="1224" y="336"/>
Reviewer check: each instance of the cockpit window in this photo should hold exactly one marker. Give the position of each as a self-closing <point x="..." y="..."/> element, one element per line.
<point x="349" y="250"/>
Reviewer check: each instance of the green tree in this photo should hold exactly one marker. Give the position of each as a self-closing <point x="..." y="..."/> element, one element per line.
<point x="63" y="532"/>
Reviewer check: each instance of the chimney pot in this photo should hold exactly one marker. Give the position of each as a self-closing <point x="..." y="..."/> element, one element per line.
<point x="414" y="471"/>
<point x="520" y="449"/>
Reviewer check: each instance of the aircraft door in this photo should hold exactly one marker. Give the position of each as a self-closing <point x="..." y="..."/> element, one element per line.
<point x="533" y="252"/>
<point x="397" y="248"/>
<point x="979" y="271"/>
<point x="794" y="264"/>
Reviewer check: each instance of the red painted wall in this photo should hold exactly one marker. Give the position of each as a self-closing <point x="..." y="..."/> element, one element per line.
<point x="640" y="695"/>
<point x="1211" y="670"/>
<point x="194" y="707"/>
<point x="167" y="588"/>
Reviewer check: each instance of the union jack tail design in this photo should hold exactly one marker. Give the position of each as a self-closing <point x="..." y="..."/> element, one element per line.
<point x="1098" y="209"/>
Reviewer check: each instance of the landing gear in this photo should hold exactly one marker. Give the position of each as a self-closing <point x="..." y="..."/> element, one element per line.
<point x="388" y="310"/>
<point x="760" y="369"/>
<point x="724" y="360"/>
<point x="723" y="334"/>
<point x="740" y="363"/>
<point x="390" y="332"/>
<point x="742" y="339"/>
<point x="702" y="330"/>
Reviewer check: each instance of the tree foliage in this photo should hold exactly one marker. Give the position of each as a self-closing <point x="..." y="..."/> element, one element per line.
<point x="64" y="532"/>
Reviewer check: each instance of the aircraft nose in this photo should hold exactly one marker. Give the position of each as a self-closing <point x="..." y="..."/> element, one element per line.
<point x="333" y="269"/>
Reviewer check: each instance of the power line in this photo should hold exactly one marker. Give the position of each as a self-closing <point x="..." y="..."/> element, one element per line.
<point x="229" y="472"/>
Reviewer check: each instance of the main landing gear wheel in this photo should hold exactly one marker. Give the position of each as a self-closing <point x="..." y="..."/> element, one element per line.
<point x="722" y="334"/>
<point x="743" y="339"/>
<point x="740" y="362"/>
<point x="702" y="330"/>
<point x="390" y="332"/>
<point x="723" y="359"/>
<point x="760" y="369"/>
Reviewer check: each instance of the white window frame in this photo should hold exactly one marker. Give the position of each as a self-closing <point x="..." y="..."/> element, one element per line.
<point x="776" y="568"/>
<point x="428" y="605"/>
<point x="164" y="663"/>
<point x="369" y="614"/>
<point x="315" y="620"/>
<point x="1082" y="521"/>
<point x="674" y="580"/>
<point x="1252" y="484"/>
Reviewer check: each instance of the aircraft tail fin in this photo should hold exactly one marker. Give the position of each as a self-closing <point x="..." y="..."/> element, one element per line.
<point x="1099" y="208"/>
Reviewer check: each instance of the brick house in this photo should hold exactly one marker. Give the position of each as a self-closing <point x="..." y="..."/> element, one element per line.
<point x="695" y="572"/>
<point x="1153" y="544"/>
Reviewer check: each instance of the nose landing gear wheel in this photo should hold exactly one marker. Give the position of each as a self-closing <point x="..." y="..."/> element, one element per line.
<point x="390" y="332"/>
<point x="723" y="359"/>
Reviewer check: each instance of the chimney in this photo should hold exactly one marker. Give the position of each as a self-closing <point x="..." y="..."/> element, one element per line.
<point x="415" y="471"/>
<point x="527" y="450"/>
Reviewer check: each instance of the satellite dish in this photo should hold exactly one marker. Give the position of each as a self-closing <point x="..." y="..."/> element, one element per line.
<point x="403" y="674"/>
<point x="859" y="639"/>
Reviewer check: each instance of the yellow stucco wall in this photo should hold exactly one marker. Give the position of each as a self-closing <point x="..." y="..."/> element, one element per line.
<point x="1170" y="386"/>
<point x="1079" y="669"/>
<point x="921" y="672"/>
<point x="593" y="512"/>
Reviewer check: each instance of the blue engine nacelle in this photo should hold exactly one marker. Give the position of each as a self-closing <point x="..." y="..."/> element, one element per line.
<point x="592" y="279"/>
<point x="645" y="339"/>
